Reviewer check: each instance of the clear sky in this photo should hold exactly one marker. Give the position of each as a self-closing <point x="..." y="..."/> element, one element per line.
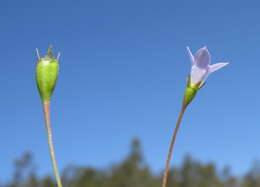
<point x="123" y="72"/>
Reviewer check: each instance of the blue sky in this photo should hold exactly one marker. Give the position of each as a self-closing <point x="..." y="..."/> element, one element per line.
<point x="122" y="74"/>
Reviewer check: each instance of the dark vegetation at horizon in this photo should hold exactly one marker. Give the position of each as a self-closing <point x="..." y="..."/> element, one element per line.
<point x="133" y="172"/>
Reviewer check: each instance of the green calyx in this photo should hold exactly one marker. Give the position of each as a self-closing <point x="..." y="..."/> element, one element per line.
<point x="190" y="92"/>
<point x="46" y="74"/>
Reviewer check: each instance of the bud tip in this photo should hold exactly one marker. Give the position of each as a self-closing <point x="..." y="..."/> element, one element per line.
<point x="38" y="54"/>
<point x="49" y="52"/>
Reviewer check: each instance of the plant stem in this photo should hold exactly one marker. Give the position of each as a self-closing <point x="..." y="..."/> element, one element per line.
<point x="46" y="109"/>
<point x="167" y="166"/>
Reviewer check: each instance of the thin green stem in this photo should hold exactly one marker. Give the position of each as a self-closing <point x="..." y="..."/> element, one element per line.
<point x="46" y="109"/>
<point x="167" y="166"/>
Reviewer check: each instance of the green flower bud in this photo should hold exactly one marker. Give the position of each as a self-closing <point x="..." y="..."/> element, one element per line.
<point x="46" y="74"/>
<point x="190" y="92"/>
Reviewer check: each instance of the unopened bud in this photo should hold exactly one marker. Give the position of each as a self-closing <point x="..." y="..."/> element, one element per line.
<point x="46" y="74"/>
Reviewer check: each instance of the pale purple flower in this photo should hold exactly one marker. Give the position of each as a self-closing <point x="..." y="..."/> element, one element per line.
<point x="200" y="66"/>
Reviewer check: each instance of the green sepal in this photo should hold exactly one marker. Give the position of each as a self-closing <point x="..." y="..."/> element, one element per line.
<point x="46" y="75"/>
<point x="190" y="92"/>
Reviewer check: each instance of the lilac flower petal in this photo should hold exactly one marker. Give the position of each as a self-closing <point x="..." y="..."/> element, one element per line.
<point x="198" y="75"/>
<point x="191" y="56"/>
<point x="202" y="58"/>
<point x="205" y="77"/>
<point x="217" y="66"/>
<point x="201" y="68"/>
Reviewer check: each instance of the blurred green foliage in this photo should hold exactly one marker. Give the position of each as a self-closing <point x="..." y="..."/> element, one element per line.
<point x="134" y="172"/>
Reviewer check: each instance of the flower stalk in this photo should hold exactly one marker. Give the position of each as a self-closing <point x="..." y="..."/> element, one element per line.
<point x="189" y="95"/>
<point x="46" y="111"/>
<point x="169" y="156"/>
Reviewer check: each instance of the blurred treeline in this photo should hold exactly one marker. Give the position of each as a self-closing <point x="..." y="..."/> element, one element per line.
<point x="133" y="172"/>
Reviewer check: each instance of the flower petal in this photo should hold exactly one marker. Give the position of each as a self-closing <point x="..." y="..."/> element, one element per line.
<point x="202" y="58"/>
<point x="217" y="66"/>
<point x="191" y="56"/>
<point x="198" y="75"/>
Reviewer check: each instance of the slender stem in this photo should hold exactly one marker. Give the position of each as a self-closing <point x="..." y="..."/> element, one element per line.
<point x="46" y="109"/>
<point x="167" y="166"/>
